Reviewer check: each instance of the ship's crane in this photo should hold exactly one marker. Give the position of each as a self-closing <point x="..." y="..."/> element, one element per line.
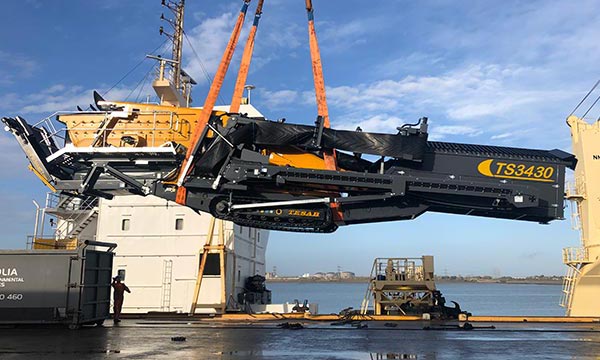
<point x="284" y="176"/>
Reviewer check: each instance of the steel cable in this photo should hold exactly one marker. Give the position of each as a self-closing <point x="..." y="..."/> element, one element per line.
<point x="133" y="69"/>
<point x="585" y="97"/>
<point x="202" y="67"/>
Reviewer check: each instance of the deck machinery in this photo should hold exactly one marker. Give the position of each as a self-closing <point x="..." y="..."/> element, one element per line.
<point x="406" y="286"/>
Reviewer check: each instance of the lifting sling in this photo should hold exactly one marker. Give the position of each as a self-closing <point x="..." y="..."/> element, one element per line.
<point x="209" y="104"/>
<point x="246" y="59"/>
<point x="322" y="109"/>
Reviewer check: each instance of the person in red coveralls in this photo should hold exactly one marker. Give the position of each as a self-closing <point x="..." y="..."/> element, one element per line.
<point x="119" y="294"/>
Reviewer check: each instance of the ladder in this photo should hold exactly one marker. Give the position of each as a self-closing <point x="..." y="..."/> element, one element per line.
<point x="364" y="307"/>
<point x="568" y="287"/>
<point x="207" y="249"/>
<point x="166" y="285"/>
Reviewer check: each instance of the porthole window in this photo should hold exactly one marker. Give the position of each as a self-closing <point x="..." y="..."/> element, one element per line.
<point x="179" y="224"/>
<point x="125" y="224"/>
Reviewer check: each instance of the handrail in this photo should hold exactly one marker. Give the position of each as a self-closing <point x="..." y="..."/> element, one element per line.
<point x="401" y="269"/>
<point x="575" y="255"/>
<point x="79" y="209"/>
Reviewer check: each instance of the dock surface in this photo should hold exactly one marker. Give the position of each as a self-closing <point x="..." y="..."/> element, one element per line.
<point x="152" y="339"/>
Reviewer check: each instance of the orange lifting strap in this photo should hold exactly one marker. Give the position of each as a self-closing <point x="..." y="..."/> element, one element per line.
<point x="209" y="104"/>
<point x="245" y="64"/>
<point x="323" y="110"/>
<point x="317" y="67"/>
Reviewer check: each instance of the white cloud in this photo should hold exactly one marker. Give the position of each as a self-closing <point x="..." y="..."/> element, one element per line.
<point x="12" y="157"/>
<point x="460" y="102"/>
<point x="502" y="136"/>
<point x="376" y="123"/>
<point x="335" y="36"/>
<point x="441" y="132"/>
<point x="463" y="94"/>
<point x="280" y="98"/>
<point x="14" y="66"/>
<point x="58" y="97"/>
<point x="209" y="39"/>
<point x="286" y="36"/>
<point x="548" y="34"/>
<point x="63" y="98"/>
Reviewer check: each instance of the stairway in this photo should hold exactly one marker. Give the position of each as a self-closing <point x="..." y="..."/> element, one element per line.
<point x="82" y="221"/>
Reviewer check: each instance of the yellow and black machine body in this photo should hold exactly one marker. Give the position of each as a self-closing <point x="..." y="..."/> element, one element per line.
<point x="271" y="174"/>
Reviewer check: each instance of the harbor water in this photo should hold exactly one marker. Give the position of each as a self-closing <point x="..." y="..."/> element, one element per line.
<point x="477" y="298"/>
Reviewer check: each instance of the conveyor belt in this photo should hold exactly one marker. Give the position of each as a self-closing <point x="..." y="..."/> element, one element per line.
<point x="557" y="156"/>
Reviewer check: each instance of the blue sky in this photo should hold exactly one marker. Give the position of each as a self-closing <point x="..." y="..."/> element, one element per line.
<point x="490" y="72"/>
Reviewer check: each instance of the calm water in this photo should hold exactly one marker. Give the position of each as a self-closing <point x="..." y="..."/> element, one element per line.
<point x="479" y="299"/>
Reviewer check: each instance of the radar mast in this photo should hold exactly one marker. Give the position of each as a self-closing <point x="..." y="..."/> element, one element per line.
<point x="175" y="89"/>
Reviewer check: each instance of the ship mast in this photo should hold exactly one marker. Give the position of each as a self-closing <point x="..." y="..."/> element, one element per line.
<point x="176" y="38"/>
<point x="175" y="91"/>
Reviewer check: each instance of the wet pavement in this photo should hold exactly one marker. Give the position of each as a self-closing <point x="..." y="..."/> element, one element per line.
<point x="137" y="339"/>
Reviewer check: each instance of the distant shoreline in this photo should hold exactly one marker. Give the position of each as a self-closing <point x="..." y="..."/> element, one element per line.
<point x="364" y="280"/>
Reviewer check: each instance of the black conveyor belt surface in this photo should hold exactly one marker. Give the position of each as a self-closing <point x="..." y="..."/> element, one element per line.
<point x="555" y="155"/>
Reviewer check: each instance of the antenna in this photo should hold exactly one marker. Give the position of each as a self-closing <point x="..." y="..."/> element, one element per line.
<point x="249" y="89"/>
<point x="176" y="7"/>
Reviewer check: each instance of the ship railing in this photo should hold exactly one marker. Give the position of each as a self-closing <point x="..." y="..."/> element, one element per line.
<point x="67" y="215"/>
<point x="575" y="255"/>
<point x="51" y="243"/>
<point x="73" y="203"/>
<point x="398" y="269"/>
<point x="57" y="133"/>
<point x="575" y="190"/>
<point x="69" y="225"/>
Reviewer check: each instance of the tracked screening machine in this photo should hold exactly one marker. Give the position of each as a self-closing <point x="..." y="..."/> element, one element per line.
<point x="272" y="175"/>
<point x="255" y="172"/>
